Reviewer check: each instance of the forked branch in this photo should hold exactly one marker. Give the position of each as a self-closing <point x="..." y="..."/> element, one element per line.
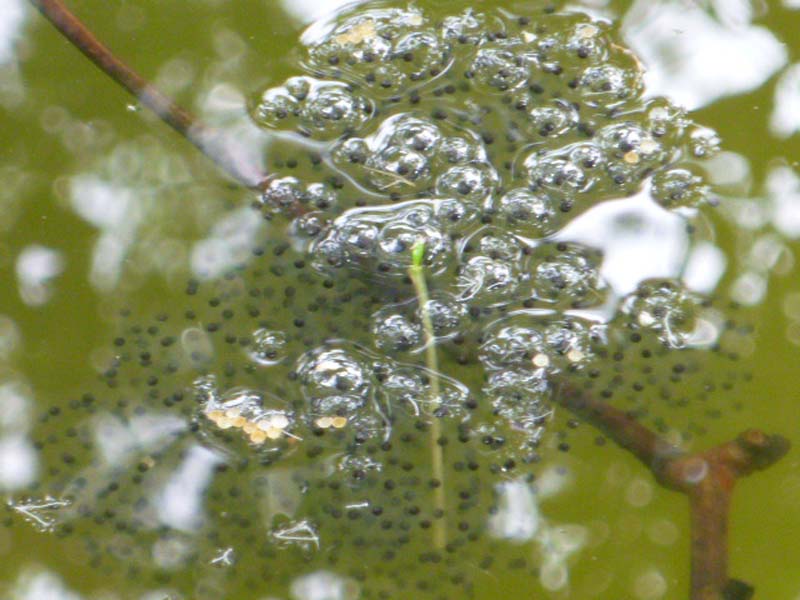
<point x="215" y="144"/>
<point x="707" y="478"/>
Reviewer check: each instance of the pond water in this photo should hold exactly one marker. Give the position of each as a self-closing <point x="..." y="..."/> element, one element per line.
<point x="201" y="397"/>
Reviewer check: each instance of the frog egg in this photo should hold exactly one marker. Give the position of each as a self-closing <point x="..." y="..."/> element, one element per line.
<point x="620" y="140"/>
<point x="570" y="275"/>
<point x="588" y="41"/>
<point x="587" y="156"/>
<point x="498" y="69"/>
<point x="467" y="28"/>
<point x="675" y="188"/>
<point x="704" y="142"/>
<point x="553" y="121"/>
<point x="394" y="168"/>
<point x="556" y="174"/>
<point x="520" y="398"/>
<point x="282" y="193"/>
<point x="415" y="134"/>
<point x="298" y="87"/>
<point x="398" y="238"/>
<point x="329" y="253"/>
<point x="454" y="215"/>
<point x="607" y="85"/>
<point x="497" y="244"/>
<point x="358" y="236"/>
<point x="512" y="346"/>
<point x="268" y="347"/>
<point x="663" y="119"/>
<point x="334" y="381"/>
<point x="395" y="333"/>
<point x="470" y="183"/>
<point x="665" y="307"/>
<point x="351" y="151"/>
<point x="332" y="109"/>
<point x="320" y="195"/>
<point x="276" y="108"/>
<point x="446" y="314"/>
<point x="571" y="342"/>
<point x="308" y="226"/>
<point x="411" y="388"/>
<point x="385" y="49"/>
<point x="405" y="389"/>
<point x="488" y="281"/>
<point x="533" y="214"/>
<point x="457" y="151"/>
<point x="420" y="55"/>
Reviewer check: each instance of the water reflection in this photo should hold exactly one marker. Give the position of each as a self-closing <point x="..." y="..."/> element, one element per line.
<point x="696" y="53"/>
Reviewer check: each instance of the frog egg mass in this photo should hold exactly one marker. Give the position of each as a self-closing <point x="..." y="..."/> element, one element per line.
<point x="377" y="379"/>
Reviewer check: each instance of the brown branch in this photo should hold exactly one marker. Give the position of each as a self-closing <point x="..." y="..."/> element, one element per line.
<point x="215" y="144"/>
<point x="707" y="478"/>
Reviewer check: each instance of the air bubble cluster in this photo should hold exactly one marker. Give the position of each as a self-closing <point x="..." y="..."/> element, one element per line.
<point x="321" y="108"/>
<point x="385" y="50"/>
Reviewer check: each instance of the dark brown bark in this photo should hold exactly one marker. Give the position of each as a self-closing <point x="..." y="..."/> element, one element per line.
<point x="707" y="478"/>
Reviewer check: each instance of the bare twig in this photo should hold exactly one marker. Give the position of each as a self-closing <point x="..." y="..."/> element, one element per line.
<point x="215" y="144"/>
<point x="707" y="478"/>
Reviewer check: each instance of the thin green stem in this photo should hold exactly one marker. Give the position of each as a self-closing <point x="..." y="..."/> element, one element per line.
<point x="417" y="274"/>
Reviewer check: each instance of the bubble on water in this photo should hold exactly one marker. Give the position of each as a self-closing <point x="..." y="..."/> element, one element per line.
<point x="320" y="196"/>
<point x="403" y="153"/>
<point x="332" y="109"/>
<point x="554" y="120"/>
<point x="556" y="174"/>
<point x="324" y="109"/>
<point x="379" y="240"/>
<point x="664" y="306"/>
<point x="567" y="273"/>
<point x="532" y="214"/>
<point x="676" y="188"/>
<point x="494" y="271"/>
<point x="458" y="151"/>
<point x="395" y="333"/>
<point x="276" y="108"/>
<point x="512" y="346"/>
<point x="339" y="387"/>
<point x="665" y="120"/>
<point x="383" y="49"/>
<point x="282" y="194"/>
<point x="499" y="68"/>
<point x="446" y="314"/>
<point x="469" y="27"/>
<point x="411" y="388"/>
<point x="197" y="345"/>
<point x="704" y="142"/>
<point x="268" y="347"/>
<point x="536" y="340"/>
<point x="520" y="397"/>
<point x="334" y="381"/>
<point x="607" y="85"/>
<point x="399" y="327"/>
<point x="471" y="183"/>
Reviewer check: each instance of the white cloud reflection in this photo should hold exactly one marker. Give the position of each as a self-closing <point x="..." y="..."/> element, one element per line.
<point x="696" y="54"/>
<point x="37" y="266"/>
<point x="306" y="11"/>
<point x="41" y="585"/>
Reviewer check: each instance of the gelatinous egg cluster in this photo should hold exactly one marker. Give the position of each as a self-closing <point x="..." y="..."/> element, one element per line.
<point x="423" y="288"/>
<point x="478" y="139"/>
